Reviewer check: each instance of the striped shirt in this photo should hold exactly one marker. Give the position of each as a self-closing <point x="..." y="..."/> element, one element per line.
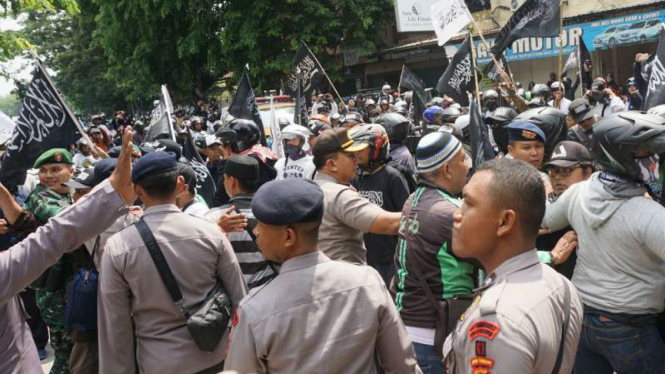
<point x="255" y="269"/>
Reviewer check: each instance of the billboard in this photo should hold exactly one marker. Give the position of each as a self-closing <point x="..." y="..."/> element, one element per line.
<point x="597" y="35"/>
<point x="414" y="15"/>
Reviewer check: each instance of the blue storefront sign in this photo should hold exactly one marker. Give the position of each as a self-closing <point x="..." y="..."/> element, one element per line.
<point x="597" y="35"/>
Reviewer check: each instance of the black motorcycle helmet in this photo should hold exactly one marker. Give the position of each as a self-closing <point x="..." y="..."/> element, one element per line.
<point x="553" y="123"/>
<point x="617" y="138"/>
<point x="248" y="134"/>
<point x="396" y="125"/>
<point x="498" y="120"/>
<point x="450" y="114"/>
<point x="401" y="107"/>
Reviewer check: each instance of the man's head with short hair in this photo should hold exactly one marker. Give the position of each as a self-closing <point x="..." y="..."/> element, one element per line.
<point x="504" y="204"/>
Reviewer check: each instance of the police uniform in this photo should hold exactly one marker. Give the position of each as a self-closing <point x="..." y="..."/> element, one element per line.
<point x="347" y="214"/>
<point x="317" y="315"/>
<point x="133" y="300"/>
<point x="516" y="321"/>
<point x="45" y="204"/>
<point x="25" y="261"/>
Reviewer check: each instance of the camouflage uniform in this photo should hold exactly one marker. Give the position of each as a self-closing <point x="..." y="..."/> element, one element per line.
<point x="44" y="204"/>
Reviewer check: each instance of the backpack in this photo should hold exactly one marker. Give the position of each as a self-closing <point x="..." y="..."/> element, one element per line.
<point x="81" y="304"/>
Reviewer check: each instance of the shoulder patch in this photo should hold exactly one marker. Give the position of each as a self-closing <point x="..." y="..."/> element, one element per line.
<point x="481" y="365"/>
<point x="483" y="329"/>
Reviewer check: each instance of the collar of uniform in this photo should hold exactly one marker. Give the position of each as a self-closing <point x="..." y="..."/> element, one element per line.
<point x="241" y="198"/>
<point x="161" y="208"/>
<point x="304" y="261"/>
<point x="514" y="264"/>
<point x="321" y="176"/>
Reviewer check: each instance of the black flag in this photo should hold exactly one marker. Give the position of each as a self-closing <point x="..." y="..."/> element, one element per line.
<point x="656" y="84"/>
<point x="307" y="67"/>
<point x="533" y="18"/>
<point x="205" y="185"/>
<point x="493" y="73"/>
<point x="300" y="112"/>
<point x="160" y="129"/>
<point x="244" y="105"/>
<point x="410" y="81"/>
<point x="457" y="80"/>
<point x="583" y="59"/>
<point x="481" y="148"/>
<point x="44" y="123"/>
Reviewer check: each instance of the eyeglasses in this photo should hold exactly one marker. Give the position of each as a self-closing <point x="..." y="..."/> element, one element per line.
<point x="562" y="172"/>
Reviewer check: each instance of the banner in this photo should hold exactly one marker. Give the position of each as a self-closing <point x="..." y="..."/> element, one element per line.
<point x="656" y="86"/>
<point x="493" y="73"/>
<point x="44" y="123"/>
<point x="162" y="127"/>
<point x="410" y="81"/>
<point x="457" y="80"/>
<point x="597" y="35"/>
<point x="449" y="17"/>
<point x="481" y="147"/>
<point x="583" y="60"/>
<point x="307" y="67"/>
<point x="300" y="116"/>
<point x="205" y="185"/>
<point x="244" y="106"/>
<point x="533" y="18"/>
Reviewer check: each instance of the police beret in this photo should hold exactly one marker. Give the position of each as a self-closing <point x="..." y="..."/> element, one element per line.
<point x="54" y="156"/>
<point x="525" y="131"/>
<point x="242" y="167"/>
<point x="288" y="201"/>
<point x="153" y="163"/>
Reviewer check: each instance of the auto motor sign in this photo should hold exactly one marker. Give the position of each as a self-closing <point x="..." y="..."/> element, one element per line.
<point x="598" y="35"/>
<point x="414" y="15"/>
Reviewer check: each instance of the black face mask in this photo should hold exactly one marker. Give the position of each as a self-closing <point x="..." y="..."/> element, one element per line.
<point x="491" y="106"/>
<point x="293" y="152"/>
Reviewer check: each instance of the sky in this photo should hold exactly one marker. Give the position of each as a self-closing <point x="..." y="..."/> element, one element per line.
<point x="12" y="66"/>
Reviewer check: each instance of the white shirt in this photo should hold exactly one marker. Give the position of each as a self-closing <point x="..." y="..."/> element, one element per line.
<point x="563" y="105"/>
<point x="80" y="159"/>
<point x="615" y="106"/>
<point x="301" y="168"/>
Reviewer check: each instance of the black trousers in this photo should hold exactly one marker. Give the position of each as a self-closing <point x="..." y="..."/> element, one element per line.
<point x="36" y="323"/>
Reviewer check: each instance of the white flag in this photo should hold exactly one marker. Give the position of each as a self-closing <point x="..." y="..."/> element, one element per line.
<point x="449" y="17"/>
<point x="571" y="63"/>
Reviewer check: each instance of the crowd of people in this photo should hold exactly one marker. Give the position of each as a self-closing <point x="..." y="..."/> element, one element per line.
<point x="373" y="244"/>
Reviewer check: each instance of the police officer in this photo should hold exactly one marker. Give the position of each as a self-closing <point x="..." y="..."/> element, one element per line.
<point x="348" y="215"/>
<point x="24" y="262"/>
<point x="526" y="318"/>
<point x="582" y="114"/>
<point x="133" y="300"/>
<point x="317" y="315"/>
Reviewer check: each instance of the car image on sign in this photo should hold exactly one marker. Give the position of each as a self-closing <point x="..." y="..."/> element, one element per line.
<point x="637" y="32"/>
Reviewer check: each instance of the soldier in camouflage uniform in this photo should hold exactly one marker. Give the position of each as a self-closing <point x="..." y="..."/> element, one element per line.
<point x="45" y="201"/>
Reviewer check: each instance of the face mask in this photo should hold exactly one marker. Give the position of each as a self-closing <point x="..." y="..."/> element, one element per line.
<point x="597" y="95"/>
<point x="293" y="152"/>
<point x="649" y="169"/>
<point x="490" y="105"/>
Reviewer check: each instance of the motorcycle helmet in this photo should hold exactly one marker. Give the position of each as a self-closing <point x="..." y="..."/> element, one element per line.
<point x="248" y="134"/>
<point x="376" y="138"/>
<point x="431" y="114"/>
<point x="396" y="126"/>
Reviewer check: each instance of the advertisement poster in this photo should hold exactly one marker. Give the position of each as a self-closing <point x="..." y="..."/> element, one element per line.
<point x="414" y="15"/>
<point x="598" y="35"/>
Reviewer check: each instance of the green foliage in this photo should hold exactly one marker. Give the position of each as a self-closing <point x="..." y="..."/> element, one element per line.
<point x="150" y="43"/>
<point x="65" y="41"/>
<point x="10" y="105"/>
<point x="267" y="33"/>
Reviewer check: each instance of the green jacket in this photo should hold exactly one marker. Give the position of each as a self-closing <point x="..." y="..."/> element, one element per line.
<point x="44" y="203"/>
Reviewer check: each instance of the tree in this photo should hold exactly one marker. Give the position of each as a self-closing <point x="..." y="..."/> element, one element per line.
<point x="10" y="105"/>
<point x="65" y="42"/>
<point x="266" y="34"/>
<point x="11" y="42"/>
<point x="149" y="43"/>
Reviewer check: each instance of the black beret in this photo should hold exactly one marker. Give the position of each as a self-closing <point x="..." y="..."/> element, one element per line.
<point x="242" y="167"/>
<point x="169" y="145"/>
<point x="288" y="201"/>
<point x="153" y="163"/>
<point x="103" y="169"/>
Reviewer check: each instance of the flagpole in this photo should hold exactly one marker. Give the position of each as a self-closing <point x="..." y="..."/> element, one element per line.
<point x="326" y="75"/>
<point x="77" y="123"/>
<point x="487" y="45"/>
<point x="560" y="40"/>
<point x="580" y="65"/>
<point x="399" y="85"/>
<point x="473" y="67"/>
